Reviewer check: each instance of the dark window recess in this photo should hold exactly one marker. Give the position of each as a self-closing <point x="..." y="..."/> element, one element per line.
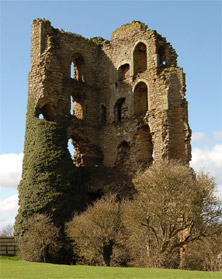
<point x="140" y="99"/>
<point x="47" y="112"/>
<point x="162" y="55"/>
<point x="118" y="110"/>
<point x="140" y="58"/>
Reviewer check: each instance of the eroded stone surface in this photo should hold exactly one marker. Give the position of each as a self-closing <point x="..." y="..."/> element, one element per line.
<point x="128" y="91"/>
<point x="121" y="102"/>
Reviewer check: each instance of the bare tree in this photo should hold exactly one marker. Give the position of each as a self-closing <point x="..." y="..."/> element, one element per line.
<point x="40" y="241"/>
<point x="205" y="254"/>
<point x="7" y="230"/>
<point x="172" y="208"/>
<point x="94" y="232"/>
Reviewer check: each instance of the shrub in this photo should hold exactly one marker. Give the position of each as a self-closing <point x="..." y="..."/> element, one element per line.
<point x="205" y="254"/>
<point x="172" y="210"/>
<point x="40" y="242"/>
<point x="173" y="207"/>
<point x="94" y="232"/>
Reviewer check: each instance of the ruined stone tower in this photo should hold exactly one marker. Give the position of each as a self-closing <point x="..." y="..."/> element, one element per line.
<point x="121" y="102"/>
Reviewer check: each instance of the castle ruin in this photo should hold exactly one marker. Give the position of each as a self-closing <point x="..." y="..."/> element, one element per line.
<point x="121" y="102"/>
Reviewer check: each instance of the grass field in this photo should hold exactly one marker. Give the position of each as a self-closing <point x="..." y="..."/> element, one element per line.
<point x="11" y="267"/>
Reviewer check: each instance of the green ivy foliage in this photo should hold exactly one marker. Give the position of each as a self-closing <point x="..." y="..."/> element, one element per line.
<point x="50" y="181"/>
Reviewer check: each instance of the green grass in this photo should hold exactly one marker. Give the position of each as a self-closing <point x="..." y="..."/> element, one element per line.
<point x="11" y="267"/>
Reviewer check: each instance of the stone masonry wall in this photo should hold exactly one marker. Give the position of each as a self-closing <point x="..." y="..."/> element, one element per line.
<point x="121" y="102"/>
<point x="161" y="129"/>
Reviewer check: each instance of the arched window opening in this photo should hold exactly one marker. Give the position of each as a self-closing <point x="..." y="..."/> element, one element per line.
<point x="47" y="112"/>
<point x="123" y="72"/>
<point x="140" y="99"/>
<point x="140" y="58"/>
<point x="118" y="110"/>
<point x="77" y="70"/>
<point x="162" y="56"/>
<point x="124" y="146"/>
<point x="86" y="152"/>
<point x="103" y="114"/>
<point x="71" y="149"/>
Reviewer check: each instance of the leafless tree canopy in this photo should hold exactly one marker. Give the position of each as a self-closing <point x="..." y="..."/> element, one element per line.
<point x="172" y="209"/>
<point x="7" y="230"/>
<point x="40" y="241"/>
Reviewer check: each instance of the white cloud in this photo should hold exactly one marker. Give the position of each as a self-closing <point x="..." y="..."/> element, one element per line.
<point x="209" y="160"/>
<point x="10" y="175"/>
<point x="197" y="136"/>
<point x="10" y="170"/>
<point x="217" y="135"/>
<point x="8" y="210"/>
<point x="199" y="139"/>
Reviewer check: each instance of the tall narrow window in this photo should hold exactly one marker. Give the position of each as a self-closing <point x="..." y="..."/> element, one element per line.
<point x="71" y="149"/>
<point x="140" y="58"/>
<point x="77" y="70"/>
<point x="71" y="105"/>
<point x="118" y="110"/>
<point x="140" y="99"/>
<point x="72" y="70"/>
<point x="162" y="55"/>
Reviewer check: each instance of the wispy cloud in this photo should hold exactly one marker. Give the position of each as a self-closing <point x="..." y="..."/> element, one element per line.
<point x="10" y="175"/>
<point x="8" y="210"/>
<point x="217" y="135"/>
<point x="10" y="170"/>
<point x="199" y="139"/>
<point x="197" y="136"/>
<point x="209" y="160"/>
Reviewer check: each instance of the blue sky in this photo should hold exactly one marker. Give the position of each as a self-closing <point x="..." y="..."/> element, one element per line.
<point x="192" y="27"/>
